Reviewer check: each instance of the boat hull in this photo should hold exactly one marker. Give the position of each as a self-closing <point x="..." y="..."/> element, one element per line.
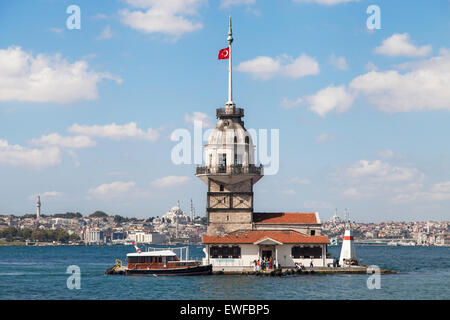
<point x="187" y="271"/>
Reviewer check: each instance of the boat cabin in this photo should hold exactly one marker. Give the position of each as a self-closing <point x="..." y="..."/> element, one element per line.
<point x="156" y="260"/>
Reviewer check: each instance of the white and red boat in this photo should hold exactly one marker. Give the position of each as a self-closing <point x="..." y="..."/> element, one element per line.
<point x="159" y="262"/>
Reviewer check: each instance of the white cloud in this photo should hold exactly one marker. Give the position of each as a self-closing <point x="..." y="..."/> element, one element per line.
<point x="383" y="172"/>
<point x="425" y="87"/>
<point x="338" y="62"/>
<point x="229" y="3"/>
<point x="162" y="16"/>
<point x="330" y="98"/>
<point x="288" y="104"/>
<point x="48" y="194"/>
<point x="260" y="67"/>
<point x="264" y="68"/>
<point x="370" y="66"/>
<point x="289" y="192"/>
<point x="400" y="45"/>
<point x="326" y="2"/>
<point x="51" y="194"/>
<point x="111" y="189"/>
<point x="376" y="178"/>
<point x="171" y="181"/>
<point x="106" y="33"/>
<point x="42" y="78"/>
<point x="16" y="155"/>
<point x="55" y="140"/>
<point x="116" y="132"/>
<point x="438" y="192"/>
<point x="199" y="116"/>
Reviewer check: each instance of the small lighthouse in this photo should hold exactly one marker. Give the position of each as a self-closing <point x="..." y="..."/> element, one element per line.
<point x="38" y="207"/>
<point x="348" y="255"/>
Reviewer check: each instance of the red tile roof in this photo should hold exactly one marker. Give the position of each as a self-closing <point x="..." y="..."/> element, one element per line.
<point x="252" y="236"/>
<point x="284" y="217"/>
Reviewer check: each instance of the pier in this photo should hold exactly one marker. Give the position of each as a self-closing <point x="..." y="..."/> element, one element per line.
<point x="305" y="271"/>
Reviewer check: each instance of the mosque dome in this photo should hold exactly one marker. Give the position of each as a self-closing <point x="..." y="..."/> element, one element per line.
<point x="176" y="214"/>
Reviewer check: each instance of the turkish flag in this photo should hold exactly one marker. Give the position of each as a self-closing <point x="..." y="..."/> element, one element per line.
<point x="224" y="53"/>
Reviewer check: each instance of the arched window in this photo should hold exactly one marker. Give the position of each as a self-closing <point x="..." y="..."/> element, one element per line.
<point x="247" y="140"/>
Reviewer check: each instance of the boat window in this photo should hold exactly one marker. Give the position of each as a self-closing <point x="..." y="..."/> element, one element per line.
<point x="132" y="259"/>
<point x="159" y="259"/>
<point x="141" y="259"/>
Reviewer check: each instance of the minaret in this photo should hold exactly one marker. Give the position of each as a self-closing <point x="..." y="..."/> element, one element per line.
<point x="38" y="208"/>
<point x="230" y="171"/>
<point x="192" y="212"/>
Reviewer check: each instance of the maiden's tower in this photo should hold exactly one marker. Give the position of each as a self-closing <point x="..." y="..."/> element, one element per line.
<point x="237" y="236"/>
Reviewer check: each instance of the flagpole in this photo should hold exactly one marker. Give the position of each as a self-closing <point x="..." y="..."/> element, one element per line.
<point x="230" y="73"/>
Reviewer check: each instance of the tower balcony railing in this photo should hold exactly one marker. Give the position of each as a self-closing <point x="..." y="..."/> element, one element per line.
<point x="229" y="112"/>
<point x="233" y="169"/>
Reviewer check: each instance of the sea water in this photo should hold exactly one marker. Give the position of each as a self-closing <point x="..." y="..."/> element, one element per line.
<point x="40" y="273"/>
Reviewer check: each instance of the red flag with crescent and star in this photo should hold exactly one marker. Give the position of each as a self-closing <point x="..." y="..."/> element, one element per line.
<point x="224" y="53"/>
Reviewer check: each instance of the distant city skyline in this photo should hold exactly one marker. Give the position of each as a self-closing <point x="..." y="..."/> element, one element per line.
<point x="86" y="114"/>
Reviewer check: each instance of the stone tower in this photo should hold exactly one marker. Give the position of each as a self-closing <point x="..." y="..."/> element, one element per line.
<point x="230" y="171"/>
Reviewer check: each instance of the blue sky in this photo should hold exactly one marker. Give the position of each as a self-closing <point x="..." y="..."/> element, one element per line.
<point x="86" y="115"/>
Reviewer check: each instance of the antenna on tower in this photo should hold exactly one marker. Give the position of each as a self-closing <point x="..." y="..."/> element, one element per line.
<point x="230" y="102"/>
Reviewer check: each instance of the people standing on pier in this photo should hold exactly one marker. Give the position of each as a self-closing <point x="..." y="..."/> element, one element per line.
<point x="270" y="263"/>
<point x="311" y="263"/>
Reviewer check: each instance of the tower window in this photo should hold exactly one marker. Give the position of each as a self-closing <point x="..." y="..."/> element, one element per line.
<point x="313" y="232"/>
<point x="221" y="187"/>
<point x="247" y="140"/>
<point x="223" y="159"/>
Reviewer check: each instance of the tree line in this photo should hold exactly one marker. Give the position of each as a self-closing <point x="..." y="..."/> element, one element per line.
<point x="15" y="234"/>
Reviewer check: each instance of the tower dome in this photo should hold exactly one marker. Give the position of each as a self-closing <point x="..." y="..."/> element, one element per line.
<point x="230" y="144"/>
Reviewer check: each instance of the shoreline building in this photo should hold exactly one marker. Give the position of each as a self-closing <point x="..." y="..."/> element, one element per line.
<point x="236" y="235"/>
